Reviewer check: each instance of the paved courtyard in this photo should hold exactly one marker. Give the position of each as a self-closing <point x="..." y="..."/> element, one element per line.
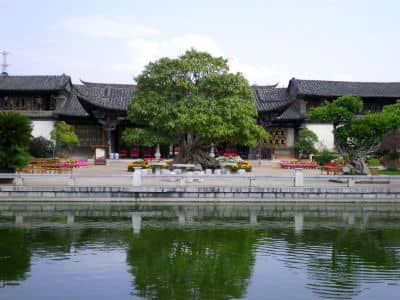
<point x="266" y="173"/>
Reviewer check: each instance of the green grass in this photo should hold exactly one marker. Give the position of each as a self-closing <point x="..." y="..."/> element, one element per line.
<point x="387" y="172"/>
<point x="374" y="162"/>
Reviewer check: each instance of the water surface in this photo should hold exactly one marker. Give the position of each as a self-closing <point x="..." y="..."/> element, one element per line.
<point x="242" y="251"/>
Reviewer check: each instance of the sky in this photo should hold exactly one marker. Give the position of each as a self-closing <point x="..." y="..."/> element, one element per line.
<point x="268" y="41"/>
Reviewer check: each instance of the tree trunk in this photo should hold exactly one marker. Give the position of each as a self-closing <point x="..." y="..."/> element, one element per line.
<point x="196" y="152"/>
<point x="360" y="166"/>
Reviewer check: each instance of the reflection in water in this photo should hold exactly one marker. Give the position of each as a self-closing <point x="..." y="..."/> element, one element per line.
<point x="15" y="256"/>
<point x="197" y="251"/>
<point x="338" y="263"/>
<point x="192" y="264"/>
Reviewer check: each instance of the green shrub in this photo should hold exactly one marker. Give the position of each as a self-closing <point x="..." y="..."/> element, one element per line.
<point x="41" y="147"/>
<point x="374" y="162"/>
<point x="325" y="156"/>
<point x="15" y="135"/>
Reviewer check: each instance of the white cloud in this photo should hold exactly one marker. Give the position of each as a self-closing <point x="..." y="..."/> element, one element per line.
<point x="146" y="45"/>
<point x="142" y="51"/>
<point x="261" y="75"/>
<point x="102" y="27"/>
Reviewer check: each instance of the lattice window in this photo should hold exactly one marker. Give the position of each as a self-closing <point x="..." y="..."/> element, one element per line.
<point x="88" y="134"/>
<point x="277" y="137"/>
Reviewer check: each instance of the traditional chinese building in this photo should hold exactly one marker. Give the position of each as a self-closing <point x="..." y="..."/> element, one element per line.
<point x="284" y="111"/>
<point x="98" y="111"/>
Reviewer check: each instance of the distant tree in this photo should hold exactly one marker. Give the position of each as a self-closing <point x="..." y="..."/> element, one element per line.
<point x="65" y="137"/>
<point x="356" y="138"/>
<point x="194" y="101"/>
<point x="306" y="143"/>
<point x="15" y="135"/>
<point x="41" y="147"/>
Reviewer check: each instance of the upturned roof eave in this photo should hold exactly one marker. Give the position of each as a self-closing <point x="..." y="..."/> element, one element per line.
<point x="87" y="101"/>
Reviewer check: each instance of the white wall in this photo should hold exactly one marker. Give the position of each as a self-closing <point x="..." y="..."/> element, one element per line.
<point x="324" y="133"/>
<point x="42" y="128"/>
<point x="289" y="137"/>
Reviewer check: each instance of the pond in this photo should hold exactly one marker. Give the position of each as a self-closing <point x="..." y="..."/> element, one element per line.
<point x="199" y="251"/>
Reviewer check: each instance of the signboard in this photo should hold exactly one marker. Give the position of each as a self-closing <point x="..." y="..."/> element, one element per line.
<point x="100" y="153"/>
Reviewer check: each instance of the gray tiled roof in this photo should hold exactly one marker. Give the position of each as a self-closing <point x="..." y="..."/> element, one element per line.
<point x="34" y="83"/>
<point x="341" y="88"/>
<point x="269" y="98"/>
<point x="292" y="113"/>
<point x="72" y="106"/>
<point x="119" y="96"/>
<point x="109" y="96"/>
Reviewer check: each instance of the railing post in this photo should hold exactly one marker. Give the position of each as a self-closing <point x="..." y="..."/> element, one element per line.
<point x="71" y="180"/>
<point x="19" y="180"/>
<point x="298" y="178"/>
<point x="137" y="177"/>
<point x="252" y="181"/>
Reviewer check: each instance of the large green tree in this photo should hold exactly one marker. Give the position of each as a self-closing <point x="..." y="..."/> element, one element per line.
<point x="15" y="135"/>
<point x="357" y="137"/>
<point x="193" y="101"/>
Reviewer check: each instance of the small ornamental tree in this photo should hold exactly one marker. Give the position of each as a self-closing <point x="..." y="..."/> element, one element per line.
<point x="15" y="135"/>
<point x="194" y="101"/>
<point x="306" y="143"/>
<point x="356" y="138"/>
<point x="65" y="137"/>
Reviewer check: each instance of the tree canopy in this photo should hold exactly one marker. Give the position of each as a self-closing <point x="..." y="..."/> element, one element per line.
<point x="341" y="111"/>
<point x="65" y="136"/>
<point x="193" y="101"/>
<point x="64" y="133"/>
